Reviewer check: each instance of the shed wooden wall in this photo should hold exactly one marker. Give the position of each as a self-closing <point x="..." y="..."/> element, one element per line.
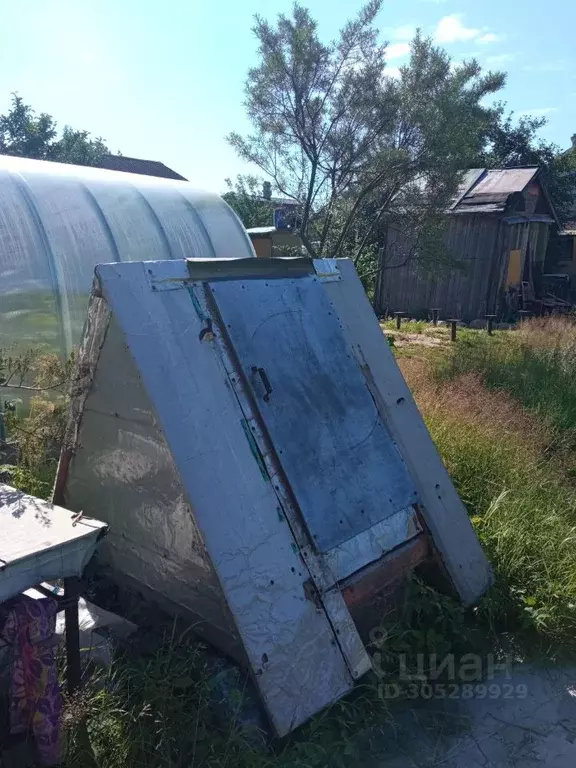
<point x="481" y="244"/>
<point x="461" y="292"/>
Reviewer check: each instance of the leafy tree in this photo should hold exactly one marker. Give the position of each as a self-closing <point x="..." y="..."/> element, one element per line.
<point x="511" y="144"/>
<point x="359" y="149"/>
<point x="250" y="198"/>
<point x="26" y="134"/>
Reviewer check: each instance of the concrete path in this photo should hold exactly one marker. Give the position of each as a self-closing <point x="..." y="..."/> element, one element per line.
<point x="530" y="722"/>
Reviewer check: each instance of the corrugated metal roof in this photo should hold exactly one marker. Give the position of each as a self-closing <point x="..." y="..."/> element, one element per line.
<point x="503" y="181"/>
<point x="489" y="190"/>
<point x="569" y="229"/>
<point x="469" y="178"/>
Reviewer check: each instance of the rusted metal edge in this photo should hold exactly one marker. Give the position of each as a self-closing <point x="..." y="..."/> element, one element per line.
<point x="365" y="584"/>
<point x="226" y="269"/>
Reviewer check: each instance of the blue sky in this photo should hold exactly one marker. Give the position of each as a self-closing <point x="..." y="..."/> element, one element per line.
<point x="164" y="80"/>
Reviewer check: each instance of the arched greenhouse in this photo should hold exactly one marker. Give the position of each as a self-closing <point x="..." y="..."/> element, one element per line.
<point x="58" y="221"/>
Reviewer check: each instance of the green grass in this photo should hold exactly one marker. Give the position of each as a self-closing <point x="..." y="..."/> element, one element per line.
<point x="166" y="708"/>
<point x="502" y="411"/>
<point x="407" y="326"/>
<point x="524" y="511"/>
<point x="537" y="366"/>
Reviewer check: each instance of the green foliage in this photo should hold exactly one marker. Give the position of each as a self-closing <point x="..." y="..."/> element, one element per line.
<point x="245" y="196"/>
<point x="24" y="133"/>
<point x="357" y="148"/>
<point x="524" y="511"/>
<point x="37" y="481"/>
<point x="407" y="326"/>
<point x="38" y="383"/>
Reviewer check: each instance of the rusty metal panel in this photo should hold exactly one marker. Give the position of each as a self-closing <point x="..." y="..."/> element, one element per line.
<point x="343" y="467"/>
<point x="503" y="181"/>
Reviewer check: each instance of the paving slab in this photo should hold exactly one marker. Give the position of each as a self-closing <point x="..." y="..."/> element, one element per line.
<point x="530" y="721"/>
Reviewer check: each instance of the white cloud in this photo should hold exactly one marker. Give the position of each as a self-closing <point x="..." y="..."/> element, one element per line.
<point x="489" y="37"/>
<point x="404" y="32"/>
<point x="397" y="50"/>
<point x="539" y="111"/>
<point x="451" y="30"/>
<point x="392" y="72"/>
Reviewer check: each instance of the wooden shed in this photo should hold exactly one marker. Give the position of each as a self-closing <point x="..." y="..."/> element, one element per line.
<point x="498" y="230"/>
<point x="270" y="241"/>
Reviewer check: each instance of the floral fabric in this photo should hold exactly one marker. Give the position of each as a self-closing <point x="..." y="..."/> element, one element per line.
<point x="36" y="701"/>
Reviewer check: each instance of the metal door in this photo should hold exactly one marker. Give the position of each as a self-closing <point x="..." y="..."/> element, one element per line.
<point x="338" y="456"/>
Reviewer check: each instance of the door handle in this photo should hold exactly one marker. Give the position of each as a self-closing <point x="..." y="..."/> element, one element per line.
<point x="265" y="381"/>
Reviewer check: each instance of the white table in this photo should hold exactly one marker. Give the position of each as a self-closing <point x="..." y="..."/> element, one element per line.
<point x="41" y="542"/>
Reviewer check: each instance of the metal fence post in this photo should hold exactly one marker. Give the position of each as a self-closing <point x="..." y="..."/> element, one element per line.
<point x="398" y="316"/>
<point x="453" y="326"/>
<point x="435" y="315"/>
<point x="73" y="667"/>
<point x="523" y="315"/>
<point x="490" y="323"/>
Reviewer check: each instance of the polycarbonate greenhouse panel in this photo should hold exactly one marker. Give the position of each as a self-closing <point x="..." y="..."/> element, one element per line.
<point x="57" y="222"/>
<point x="341" y="463"/>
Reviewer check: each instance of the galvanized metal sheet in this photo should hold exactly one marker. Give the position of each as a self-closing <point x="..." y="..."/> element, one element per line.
<point x="441" y="509"/>
<point x="503" y="181"/>
<point x="343" y="467"/>
<point x="289" y="641"/>
<point x="373" y="544"/>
